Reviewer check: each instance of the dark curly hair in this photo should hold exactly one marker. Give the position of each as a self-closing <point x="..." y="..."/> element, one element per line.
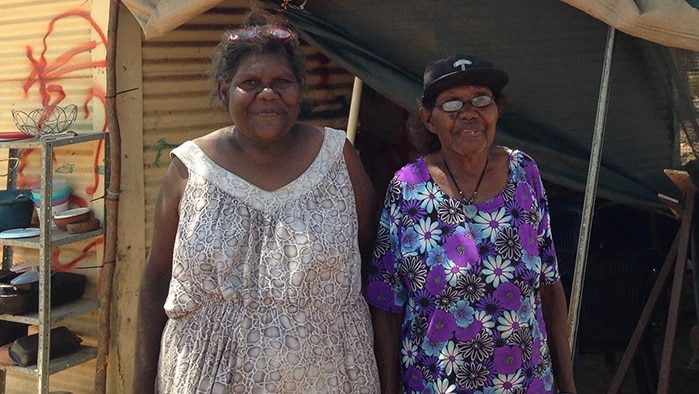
<point x="228" y="53"/>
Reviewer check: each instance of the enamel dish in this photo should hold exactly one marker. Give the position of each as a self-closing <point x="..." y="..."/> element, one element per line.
<point x="19" y="233"/>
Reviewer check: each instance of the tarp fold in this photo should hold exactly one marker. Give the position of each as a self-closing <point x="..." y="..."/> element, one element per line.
<point x="673" y="23"/>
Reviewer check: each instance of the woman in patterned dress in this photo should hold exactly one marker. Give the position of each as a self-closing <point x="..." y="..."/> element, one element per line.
<point x="252" y="283"/>
<point x="463" y="286"/>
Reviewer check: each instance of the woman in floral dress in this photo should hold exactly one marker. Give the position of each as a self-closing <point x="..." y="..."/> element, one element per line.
<point x="464" y="286"/>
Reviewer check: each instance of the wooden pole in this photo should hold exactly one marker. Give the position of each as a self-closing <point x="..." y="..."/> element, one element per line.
<point x="113" y="179"/>
<point x="684" y="182"/>
<point x="644" y="320"/>
<point x="678" y="252"/>
<point x="354" y="110"/>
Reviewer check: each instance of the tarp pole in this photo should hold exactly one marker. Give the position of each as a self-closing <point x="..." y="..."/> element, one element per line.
<point x="354" y="110"/>
<point x="590" y="194"/>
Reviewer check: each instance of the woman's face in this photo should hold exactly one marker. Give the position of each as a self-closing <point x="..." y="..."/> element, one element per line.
<point x="467" y="131"/>
<point x="263" y="97"/>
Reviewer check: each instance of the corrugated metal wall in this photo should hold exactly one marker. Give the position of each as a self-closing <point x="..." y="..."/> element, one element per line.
<point x="53" y="52"/>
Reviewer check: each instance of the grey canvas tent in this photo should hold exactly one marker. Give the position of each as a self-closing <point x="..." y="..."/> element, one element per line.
<point x="580" y="70"/>
<point x="554" y="53"/>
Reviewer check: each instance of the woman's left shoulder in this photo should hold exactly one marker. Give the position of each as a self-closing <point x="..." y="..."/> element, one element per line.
<point x="518" y="157"/>
<point x="334" y="135"/>
<point x="514" y="154"/>
<point x="336" y="142"/>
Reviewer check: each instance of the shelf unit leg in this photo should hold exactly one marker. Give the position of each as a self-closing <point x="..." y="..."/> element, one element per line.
<point x="45" y="268"/>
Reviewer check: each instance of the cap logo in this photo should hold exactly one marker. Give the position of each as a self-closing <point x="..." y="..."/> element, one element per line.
<point x="462" y="63"/>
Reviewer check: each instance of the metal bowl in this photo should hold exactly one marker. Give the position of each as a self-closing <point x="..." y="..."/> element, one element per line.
<point x="45" y="121"/>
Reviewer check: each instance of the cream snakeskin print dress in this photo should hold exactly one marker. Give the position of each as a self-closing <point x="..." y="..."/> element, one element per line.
<point x="265" y="295"/>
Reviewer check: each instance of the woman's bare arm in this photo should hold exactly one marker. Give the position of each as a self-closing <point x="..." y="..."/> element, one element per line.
<point x="156" y="279"/>
<point x="555" y="311"/>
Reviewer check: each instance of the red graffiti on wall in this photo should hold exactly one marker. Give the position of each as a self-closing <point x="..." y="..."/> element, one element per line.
<point x="46" y="75"/>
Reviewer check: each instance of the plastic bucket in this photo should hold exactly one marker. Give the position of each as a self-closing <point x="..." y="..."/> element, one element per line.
<point x="60" y="190"/>
<point x="54" y="203"/>
<point x="15" y="209"/>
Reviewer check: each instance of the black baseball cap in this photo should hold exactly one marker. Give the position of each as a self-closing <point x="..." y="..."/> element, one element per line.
<point x="457" y="70"/>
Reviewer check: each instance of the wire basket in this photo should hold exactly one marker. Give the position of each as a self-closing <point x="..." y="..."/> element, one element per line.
<point x="52" y="120"/>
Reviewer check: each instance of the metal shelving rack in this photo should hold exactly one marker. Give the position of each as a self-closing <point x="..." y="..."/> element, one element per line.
<point x="47" y="240"/>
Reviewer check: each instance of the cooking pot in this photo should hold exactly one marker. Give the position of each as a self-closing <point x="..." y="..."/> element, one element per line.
<point x="17" y="299"/>
<point x="16" y="209"/>
<point x="21" y="299"/>
<point x="7" y="287"/>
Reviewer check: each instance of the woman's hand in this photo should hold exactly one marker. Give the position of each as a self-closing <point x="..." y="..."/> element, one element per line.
<point x="555" y="309"/>
<point x="387" y="348"/>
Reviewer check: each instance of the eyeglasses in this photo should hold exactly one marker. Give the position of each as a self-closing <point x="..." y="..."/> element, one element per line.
<point x="457" y="105"/>
<point x="277" y="85"/>
<point x="272" y="32"/>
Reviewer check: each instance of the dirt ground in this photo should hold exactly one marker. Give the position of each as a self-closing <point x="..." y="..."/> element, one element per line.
<point x="594" y="374"/>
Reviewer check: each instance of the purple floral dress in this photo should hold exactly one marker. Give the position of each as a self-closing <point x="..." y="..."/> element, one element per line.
<point x="468" y="282"/>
